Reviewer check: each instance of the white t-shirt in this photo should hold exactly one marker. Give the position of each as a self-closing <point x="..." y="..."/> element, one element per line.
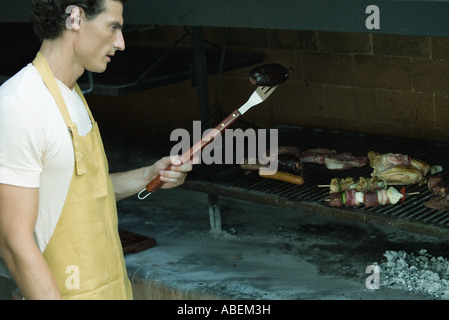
<point x="36" y="149"/>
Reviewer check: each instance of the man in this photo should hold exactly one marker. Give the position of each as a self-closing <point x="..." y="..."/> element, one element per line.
<point x="58" y="219"/>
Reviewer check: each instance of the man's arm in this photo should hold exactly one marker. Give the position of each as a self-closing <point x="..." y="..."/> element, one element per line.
<point x="18" y="215"/>
<point x="131" y="182"/>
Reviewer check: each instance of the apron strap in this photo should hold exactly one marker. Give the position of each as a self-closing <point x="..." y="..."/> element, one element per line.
<point x="80" y="93"/>
<point x="50" y="82"/>
<point x="47" y="75"/>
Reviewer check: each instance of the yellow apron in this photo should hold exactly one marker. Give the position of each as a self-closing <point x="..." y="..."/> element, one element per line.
<point x="85" y="253"/>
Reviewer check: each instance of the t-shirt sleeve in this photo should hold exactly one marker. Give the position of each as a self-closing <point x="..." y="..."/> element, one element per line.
<point x="21" y="143"/>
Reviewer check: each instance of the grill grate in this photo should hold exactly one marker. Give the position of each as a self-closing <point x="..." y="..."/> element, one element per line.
<point x="231" y="180"/>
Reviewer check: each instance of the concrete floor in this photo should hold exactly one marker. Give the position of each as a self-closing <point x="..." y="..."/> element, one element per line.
<point x="263" y="252"/>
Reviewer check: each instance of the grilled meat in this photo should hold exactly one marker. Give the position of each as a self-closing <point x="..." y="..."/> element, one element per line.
<point x="397" y="168"/>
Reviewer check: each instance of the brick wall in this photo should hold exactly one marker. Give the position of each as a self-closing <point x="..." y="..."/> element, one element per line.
<point x="378" y="84"/>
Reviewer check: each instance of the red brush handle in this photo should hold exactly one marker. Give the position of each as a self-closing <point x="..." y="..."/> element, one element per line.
<point x="156" y="183"/>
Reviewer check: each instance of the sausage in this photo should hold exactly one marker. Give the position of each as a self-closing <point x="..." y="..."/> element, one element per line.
<point x="269" y="75"/>
<point x="282" y="176"/>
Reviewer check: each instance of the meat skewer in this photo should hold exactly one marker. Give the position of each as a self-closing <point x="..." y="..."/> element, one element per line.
<point x="362" y="184"/>
<point x="353" y="198"/>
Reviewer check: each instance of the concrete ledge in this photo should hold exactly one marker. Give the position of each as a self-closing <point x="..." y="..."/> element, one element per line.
<point x="150" y="286"/>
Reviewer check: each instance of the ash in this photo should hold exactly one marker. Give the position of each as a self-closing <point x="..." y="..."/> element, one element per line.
<point x="421" y="273"/>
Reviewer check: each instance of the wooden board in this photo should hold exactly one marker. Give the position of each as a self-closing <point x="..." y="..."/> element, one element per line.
<point x="133" y="242"/>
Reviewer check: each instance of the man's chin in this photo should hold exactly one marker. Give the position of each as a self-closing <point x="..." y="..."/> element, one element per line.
<point x="97" y="69"/>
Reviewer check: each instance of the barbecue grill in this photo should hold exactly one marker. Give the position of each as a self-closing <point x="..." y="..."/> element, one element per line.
<point x="398" y="17"/>
<point x="229" y="180"/>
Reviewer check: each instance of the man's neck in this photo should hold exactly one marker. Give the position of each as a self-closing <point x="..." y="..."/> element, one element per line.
<point x="61" y="59"/>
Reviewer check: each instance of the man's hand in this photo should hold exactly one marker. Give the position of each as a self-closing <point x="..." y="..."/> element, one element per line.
<point x="171" y="171"/>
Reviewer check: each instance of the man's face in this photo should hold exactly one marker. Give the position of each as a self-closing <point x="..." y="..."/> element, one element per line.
<point x="98" y="39"/>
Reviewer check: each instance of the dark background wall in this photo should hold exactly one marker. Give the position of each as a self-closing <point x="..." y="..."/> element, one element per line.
<point x="378" y="84"/>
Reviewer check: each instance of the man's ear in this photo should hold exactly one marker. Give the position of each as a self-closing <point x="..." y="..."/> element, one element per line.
<point x="73" y="22"/>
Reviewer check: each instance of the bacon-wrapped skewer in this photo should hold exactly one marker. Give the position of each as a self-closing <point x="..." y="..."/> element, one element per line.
<point x="353" y="198"/>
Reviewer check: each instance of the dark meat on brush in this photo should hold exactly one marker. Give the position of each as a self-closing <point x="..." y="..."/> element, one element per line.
<point x="362" y="185"/>
<point x="353" y="198"/>
<point x="269" y="75"/>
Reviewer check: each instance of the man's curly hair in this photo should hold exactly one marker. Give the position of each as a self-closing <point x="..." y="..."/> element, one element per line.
<point x="49" y="16"/>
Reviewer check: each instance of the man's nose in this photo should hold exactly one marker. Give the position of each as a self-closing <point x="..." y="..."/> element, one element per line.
<point x="119" y="43"/>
